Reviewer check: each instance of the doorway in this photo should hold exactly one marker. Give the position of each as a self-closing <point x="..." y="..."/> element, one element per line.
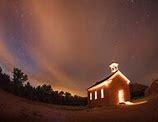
<point x="121" y="98"/>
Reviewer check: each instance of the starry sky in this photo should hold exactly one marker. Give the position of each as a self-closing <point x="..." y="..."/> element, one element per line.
<point x="70" y="43"/>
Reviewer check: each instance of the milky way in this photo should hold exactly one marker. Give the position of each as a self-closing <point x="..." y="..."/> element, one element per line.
<point x="70" y="43"/>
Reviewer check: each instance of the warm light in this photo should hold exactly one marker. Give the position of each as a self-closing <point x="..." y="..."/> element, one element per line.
<point x="109" y="81"/>
<point x="128" y="81"/>
<point x="95" y="95"/>
<point x="90" y="96"/>
<point x="102" y="93"/>
<point x="137" y="103"/>
<point x="105" y="83"/>
<point x="124" y="77"/>
<point x="114" y="67"/>
<point x="121" y="96"/>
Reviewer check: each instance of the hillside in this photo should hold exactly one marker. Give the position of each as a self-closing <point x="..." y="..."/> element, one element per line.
<point x="14" y="108"/>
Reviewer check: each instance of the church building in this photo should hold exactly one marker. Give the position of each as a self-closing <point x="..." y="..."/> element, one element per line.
<point x="112" y="90"/>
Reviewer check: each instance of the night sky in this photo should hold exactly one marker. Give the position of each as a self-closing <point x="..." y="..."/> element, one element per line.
<point x="70" y="43"/>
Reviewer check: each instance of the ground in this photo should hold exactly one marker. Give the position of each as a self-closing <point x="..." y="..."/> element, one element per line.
<point x="13" y="108"/>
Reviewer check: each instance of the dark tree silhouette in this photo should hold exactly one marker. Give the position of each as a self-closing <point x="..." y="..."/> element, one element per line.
<point x="137" y="90"/>
<point x="61" y="93"/>
<point x="19" y="77"/>
<point x="0" y="70"/>
<point x="4" y="78"/>
<point x="28" y="91"/>
<point x="43" y="93"/>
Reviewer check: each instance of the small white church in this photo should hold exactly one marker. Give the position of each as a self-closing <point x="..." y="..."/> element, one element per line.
<point x="111" y="90"/>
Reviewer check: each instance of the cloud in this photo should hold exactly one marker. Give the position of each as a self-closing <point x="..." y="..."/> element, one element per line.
<point x="70" y="44"/>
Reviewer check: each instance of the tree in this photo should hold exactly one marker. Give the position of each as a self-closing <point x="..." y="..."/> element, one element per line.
<point x="67" y="94"/>
<point x="43" y="93"/>
<point x="0" y="70"/>
<point x="47" y="88"/>
<point x="4" y="78"/>
<point x="61" y="93"/>
<point x="19" y="77"/>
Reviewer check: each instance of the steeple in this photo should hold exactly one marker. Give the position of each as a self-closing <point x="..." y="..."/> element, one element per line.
<point x="113" y="67"/>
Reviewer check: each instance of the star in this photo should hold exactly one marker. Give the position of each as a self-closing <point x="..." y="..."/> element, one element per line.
<point x="22" y="15"/>
<point x="137" y="22"/>
<point x="148" y="15"/>
<point x="64" y="40"/>
<point x="133" y="57"/>
<point x="132" y="1"/>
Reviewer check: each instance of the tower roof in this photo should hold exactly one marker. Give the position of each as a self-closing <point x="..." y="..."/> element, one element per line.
<point x="113" y="65"/>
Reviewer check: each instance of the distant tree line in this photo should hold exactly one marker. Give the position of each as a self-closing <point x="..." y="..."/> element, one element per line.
<point x="43" y="93"/>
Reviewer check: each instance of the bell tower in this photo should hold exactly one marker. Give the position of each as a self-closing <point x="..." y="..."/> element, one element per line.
<point x="113" y="67"/>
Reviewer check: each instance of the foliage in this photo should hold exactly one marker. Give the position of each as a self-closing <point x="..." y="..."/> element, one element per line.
<point x="19" y="77"/>
<point x="4" y="78"/>
<point x="137" y="90"/>
<point x="43" y="93"/>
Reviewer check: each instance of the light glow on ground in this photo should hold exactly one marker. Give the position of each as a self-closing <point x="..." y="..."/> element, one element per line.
<point x="137" y="103"/>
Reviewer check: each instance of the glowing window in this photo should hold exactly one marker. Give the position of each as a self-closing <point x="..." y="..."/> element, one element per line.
<point x="90" y="96"/>
<point x="95" y="95"/>
<point x="102" y="93"/>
